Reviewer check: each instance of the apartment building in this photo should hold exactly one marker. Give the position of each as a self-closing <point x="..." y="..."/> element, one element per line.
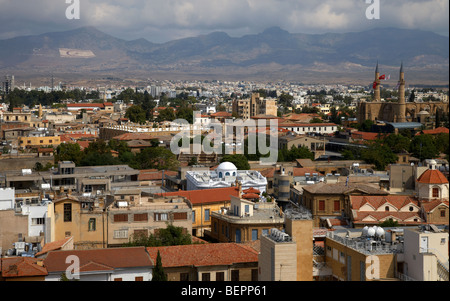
<point x="287" y="255"/>
<point x="254" y="106"/>
<point x="329" y="200"/>
<point x="38" y="141"/>
<point x="245" y="220"/>
<point x="417" y="253"/>
<point x="132" y="216"/>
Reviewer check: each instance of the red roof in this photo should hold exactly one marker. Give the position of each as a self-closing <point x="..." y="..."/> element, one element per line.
<point x="54" y="245"/>
<point x="221" y="114"/>
<point x="435" y="131"/>
<point x="364" y="135"/>
<point x="376" y="201"/>
<point x="432" y="176"/>
<point x="99" y="259"/>
<point x="251" y="190"/>
<point x="204" y="254"/>
<point x="206" y="196"/>
<point x="249" y="196"/>
<point x="21" y="267"/>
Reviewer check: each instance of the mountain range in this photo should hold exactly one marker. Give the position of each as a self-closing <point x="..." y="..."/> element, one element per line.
<point x="272" y="54"/>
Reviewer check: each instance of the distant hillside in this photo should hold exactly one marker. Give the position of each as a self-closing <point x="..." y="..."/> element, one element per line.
<point x="273" y="53"/>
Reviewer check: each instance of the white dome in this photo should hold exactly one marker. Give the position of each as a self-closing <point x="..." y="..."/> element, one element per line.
<point x="226" y="166"/>
<point x="371" y="231"/>
<point x="379" y="232"/>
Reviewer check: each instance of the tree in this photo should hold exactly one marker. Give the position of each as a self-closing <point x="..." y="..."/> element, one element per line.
<point x="378" y="154"/>
<point x="158" y="271"/>
<point x="389" y="223"/>
<point x="155" y="157"/>
<point x="69" y="152"/>
<point x="397" y="143"/>
<point x="239" y="160"/>
<point x="167" y="114"/>
<point x="136" y="114"/>
<point x="423" y="147"/>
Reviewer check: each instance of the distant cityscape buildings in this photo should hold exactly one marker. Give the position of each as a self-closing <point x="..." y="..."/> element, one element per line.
<point x="95" y="177"/>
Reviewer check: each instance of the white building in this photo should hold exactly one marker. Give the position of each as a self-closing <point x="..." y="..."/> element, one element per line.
<point x="306" y="128"/>
<point x="225" y="175"/>
<point x="7" y="198"/>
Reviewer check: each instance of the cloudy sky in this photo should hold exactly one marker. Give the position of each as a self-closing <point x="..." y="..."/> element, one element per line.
<point x="163" y="20"/>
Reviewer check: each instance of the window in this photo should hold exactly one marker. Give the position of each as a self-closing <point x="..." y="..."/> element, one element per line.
<point x="139" y="278"/>
<point x="67" y="234"/>
<point x="120" y="218"/>
<point x="235" y="275"/>
<point x="220" y="276"/>
<point x="435" y="192"/>
<point x="342" y="257"/>
<point x="67" y="212"/>
<point x="321" y="205"/>
<point x="207" y="215"/>
<point x="121" y="233"/>
<point x="180" y="216"/>
<point x="140" y="217"/>
<point x="386" y="208"/>
<point x="193" y="216"/>
<point x="254" y="274"/>
<point x="442" y="213"/>
<point x="161" y="217"/>
<point x="254" y="234"/>
<point x="38" y="221"/>
<point x="88" y="188"/>
<point x="329" y="251"/>
<point x="247" y="208"/>
<point x="184" y="276"/>
<point x="92" y="225"/>
<point x="337" y="205"/>
<point x="206" y="277"/>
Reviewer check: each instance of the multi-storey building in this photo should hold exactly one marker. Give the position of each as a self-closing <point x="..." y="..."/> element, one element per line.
<point x="254" y="106"/>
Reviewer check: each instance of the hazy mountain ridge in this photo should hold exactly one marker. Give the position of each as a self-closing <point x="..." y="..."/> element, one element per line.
<point x="206" y="53"/>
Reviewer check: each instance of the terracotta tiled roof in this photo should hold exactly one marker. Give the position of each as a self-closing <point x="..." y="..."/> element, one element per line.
<point x="54" y="245"/>
<point x="21" y="267"/>
<point x="403" y="217"/>
<point x="432" y="176"/>
<point x="204" y="254"/>
<point x="376" y="201"/>
<point x="364" y="135"/>
<point x="300" y="171"/>
<point x="206" y="196"/>
<point x="435" y="131"/>
<point x="342" y="188"/>
<point x="431" y="205"/>
<point x="154" y="175"/>
<point x="100" y="259"/>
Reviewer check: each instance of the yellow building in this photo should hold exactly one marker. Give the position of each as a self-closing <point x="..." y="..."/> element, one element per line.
<point x="82" y="218"/>
<point x="29" y="142"/>
<point x="288" y="256"/>
<point x="204" y="203"/>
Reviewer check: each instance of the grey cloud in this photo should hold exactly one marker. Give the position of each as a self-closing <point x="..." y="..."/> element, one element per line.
<point x="163" y="20"/>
